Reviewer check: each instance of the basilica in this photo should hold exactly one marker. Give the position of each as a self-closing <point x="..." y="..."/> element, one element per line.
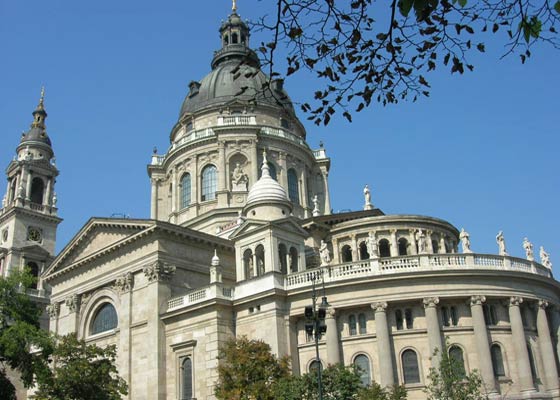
<point x="242" y="234"/>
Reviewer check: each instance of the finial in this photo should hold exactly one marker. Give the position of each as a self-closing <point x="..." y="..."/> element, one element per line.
<point x="265" y="168"/>
<point x="42" y="98"/>
<point x="215" y="259"/>
<point x="234" y="6"/>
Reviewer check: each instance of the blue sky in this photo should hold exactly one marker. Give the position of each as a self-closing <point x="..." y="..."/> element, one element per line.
<point x="481" y="152"/>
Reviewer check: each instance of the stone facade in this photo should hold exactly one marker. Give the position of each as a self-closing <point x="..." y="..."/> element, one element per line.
<point x="234" y="246"/>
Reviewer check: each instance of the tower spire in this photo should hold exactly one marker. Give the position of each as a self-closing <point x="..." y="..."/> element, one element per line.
<point x="234" y="6"/>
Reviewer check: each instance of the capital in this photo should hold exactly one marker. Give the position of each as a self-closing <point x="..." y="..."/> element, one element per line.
<point x="515" y="301"/>
<point x="124" y="283"/>
<point x="477" y="300"/>
<point x="73" y="303"/>
<point x="380" y="306"/>
<point x="53" y="310"/>
<point x="331" y="313"/>
<point x="431" y="302"/>
<point x="543" y="304"/>
<point x="158" y="271"/>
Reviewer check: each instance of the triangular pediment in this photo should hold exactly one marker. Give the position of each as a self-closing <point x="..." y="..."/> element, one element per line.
<point x="253" y="226"/>
<point x="96" y="235"/>
<point x="249" y="226"/>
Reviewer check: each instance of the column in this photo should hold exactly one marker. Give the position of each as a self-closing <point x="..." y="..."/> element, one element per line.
<point x="283" y="177"/>
<point x="28" y="186"/>
<point x="254" y="162"/>
<point x="174" y="191"/>
<point x="482" y="343"/>
<point x="221" y="165"/>
<point x="8" y="194"/>
<point x="520" y="344"/>
<point x="355" y="251"/>
<point x="547" y="350"/>
<point x="195" y="184"/>
<point x="394" y="245"/>
<point x="429" y="244"/>
<point x="434" y="333"/>
<point x="333" y="349"/>
<point x="153" y="208"/>
<point x="303" y="190"/>
<point x="387" y="377"/>
<point x="556" y="327"/>
<point x="413" y="242"/>
<point x="325" y="175"/>
<point x="47" y="197"/>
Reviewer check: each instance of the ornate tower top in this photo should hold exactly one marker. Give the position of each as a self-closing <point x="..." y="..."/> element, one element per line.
<point x="36" y="143"/>
<point x="234" y="6"/>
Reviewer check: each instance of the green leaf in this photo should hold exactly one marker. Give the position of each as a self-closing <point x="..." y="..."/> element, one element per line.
<point x="557" y="7"/>
<point x="406" y="5"/>
<point x="462" y="3"/>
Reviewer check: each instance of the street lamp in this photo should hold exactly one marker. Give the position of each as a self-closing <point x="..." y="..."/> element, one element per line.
<point x="316" y="327"/>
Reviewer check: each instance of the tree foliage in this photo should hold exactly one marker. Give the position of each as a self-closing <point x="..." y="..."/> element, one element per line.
<point x="339" y="383"/>
<point x="368" y="51"/>
<point x="248" y="369"/>
<point x="20" y="335"/>
<point x="81" y="371"/>
<point x="450" y="382"/>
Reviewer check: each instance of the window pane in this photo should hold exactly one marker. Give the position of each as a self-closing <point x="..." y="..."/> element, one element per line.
<point x="186" y="191"/>
<point x="352" y="324"/>
<point x="293" y="187"/>
<point x="209" y="183"/>
<point x="362" y="324"/>
<point x="361" y="362"/>
<point x="105" y="319"/>
<point x="399" y="319"/>
<point x="409" y="319"/>
<point x="187" y="391"/>
<point x="410" y="367"/>
<point x="456" y="354"/>
<point x="497" y="360"/>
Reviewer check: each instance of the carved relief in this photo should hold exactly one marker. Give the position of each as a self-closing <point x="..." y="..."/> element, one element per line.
<point x="73" y="303"/>
<point x="124" y="283"/>
<point x="53" y="310"/>
<point x="159" y="271"/>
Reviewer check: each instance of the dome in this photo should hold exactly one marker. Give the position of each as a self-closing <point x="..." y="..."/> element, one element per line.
<point x="266" y="189"/>
<point x="36" y="134"/>
<point x="38" y="131"/>
<point x="235" y="75"/>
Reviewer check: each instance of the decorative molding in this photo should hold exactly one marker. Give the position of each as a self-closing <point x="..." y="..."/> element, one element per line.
<point x="159" y="271"/>
<point x="53" y="310"/>
<point x="124" y="283"/>
<point x="331" y="313"/>
<point x="430" y="302"/>
<point x="73" y="303"/>
<point x="515" y="301"/>
<point x="380" y="306"/>
<point x="477" y="300"/>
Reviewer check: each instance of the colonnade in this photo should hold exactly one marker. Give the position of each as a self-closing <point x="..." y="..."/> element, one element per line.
<point x="524" y="376"/>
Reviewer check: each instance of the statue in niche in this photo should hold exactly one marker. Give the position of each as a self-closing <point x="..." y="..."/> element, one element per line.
<point x="501" y="244"/>
<point x="421" y="239"/>
<point x="4" y="201"/>
<point x="465" y="241"/>
<point x="367" y="198"/>
<point x="325" y="253"/>
<point x="21" y="192"/>
<point x="54" y="199"/>
<point x="528" y="246"/>
<point x="239" y="179"/>
<point x="545" y="258"/>
<point x="372" y="245"/>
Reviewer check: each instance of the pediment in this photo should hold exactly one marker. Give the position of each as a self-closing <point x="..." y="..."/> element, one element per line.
<point x="253" y="226"/>
<point x="95" y="236"/>
<point x="290" y="225"/>
<point x="248" y="227"/>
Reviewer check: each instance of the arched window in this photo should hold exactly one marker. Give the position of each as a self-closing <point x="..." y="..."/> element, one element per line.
<point x="352" y="325"/>
<point x="411" y="373"/>
<point x="283" y="255"/>
<point x="497" y="360"/>
<point x="293" y="259"/>
<point x="226" y="40"/>
<point x="105" y="319"/>
<point x="259" y="253"/>
<point x="293" y="186"/>
<point x="209" y="183"/>
<point x="248" y="264"/>
<point x="361" y="362"/>
<point x="364" y="255"/>
<point x="362" y="324"/>
<point x="346" y="254"/>
<point x="34" y="271"/>
<point x="314" y="366"/>
<point x="186" y="376"/>
<point x="403" y="247"/>
<point x="37" y="189"/>
<point x="399" y="319"/>
<point x="456" y="354"/>
<point x="435" y="246"/>
<point x="234" y="38"/>
<point x="384" y="248"/>
<point x="408" y="318"/>
<point x="186" y="191"/>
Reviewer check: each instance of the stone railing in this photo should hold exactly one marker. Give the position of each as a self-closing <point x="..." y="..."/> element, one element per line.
<point x="419" y="263"/>
<point x="320" y="154"/>
<point x="283" y="133"/>
<point x="235" y="120"/>
<point x="200" y="295"/>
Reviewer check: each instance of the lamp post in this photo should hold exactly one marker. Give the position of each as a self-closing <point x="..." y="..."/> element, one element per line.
<point x="316" y="327"/>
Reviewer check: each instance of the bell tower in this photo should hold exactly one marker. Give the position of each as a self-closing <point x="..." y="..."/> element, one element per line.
<point x="28" y="217"/>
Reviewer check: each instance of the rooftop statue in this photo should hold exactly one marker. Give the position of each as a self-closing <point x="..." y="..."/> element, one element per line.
<point x="324" y="253"/>
<point x="528" y="246"/>
<point x="465" y="241"/>
<point x="545" y="258"/>
<point x="367" y="197"/>
<point x="501" y="244"/>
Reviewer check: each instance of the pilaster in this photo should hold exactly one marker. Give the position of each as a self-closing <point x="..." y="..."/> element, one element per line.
<point x="525" y="377"/>
<point x="333" y="349"/>
<point x="482" y="343"/>
<point x="434" y="332"/>
<point x="547" y="350"/>
<point x="387" y="377"/>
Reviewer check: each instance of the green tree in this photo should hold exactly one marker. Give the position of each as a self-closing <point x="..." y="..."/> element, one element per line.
<point x="24" y="347"/>
<point x="450" y="381"/>
<point x="339" y="383"/>
<point x="367" y="50"/>
<point x="247" y="370"/>
<point x="81" y="371"/>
